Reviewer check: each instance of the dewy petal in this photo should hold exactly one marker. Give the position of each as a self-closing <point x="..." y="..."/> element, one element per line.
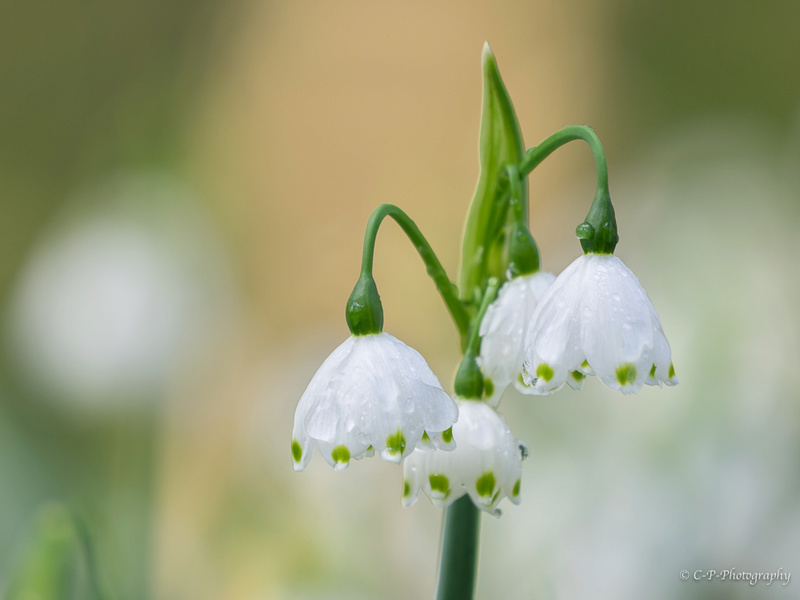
<point x="596" y="319"/>
<point x="617" y="331"/>
<point x="486" y="464"/>
<point x="372" y="393"/>
<point x="661" y="370"/>
<point x="552" y="342"/>
<point x="503" y="330"/>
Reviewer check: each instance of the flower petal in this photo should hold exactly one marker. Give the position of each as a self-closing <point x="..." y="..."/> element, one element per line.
<point x="486" y="464"/>
<point x="596" y="319"/>
<point x="373" y="393"/>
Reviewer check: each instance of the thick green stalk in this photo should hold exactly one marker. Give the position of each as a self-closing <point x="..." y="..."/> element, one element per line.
<point x="446" y="288"/>
<point x="459" y="551"/>
<point x="462" y="519"/>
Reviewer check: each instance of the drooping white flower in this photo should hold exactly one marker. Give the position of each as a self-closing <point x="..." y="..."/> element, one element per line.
<point x="486" y="463"/>
<point x="596" y="319"/>
<point x="503" y="331"/>
<point x="372" y="393"/>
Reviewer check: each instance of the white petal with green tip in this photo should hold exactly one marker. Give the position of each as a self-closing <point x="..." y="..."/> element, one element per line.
<point x="373" y="393"/>
<point x="486" y="463"/>
<point x="503" y="330"/>
<point x="596" y="319"/>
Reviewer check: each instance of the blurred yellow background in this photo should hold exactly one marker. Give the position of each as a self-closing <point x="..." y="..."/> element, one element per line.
<point x="183" y="191"/>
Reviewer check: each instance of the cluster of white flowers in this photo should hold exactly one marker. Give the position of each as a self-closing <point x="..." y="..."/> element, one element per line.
<point x="593" y="319"/>
<point x="375" y="393"/>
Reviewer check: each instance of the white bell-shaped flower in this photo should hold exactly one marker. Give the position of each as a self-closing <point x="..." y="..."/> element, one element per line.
<point x="503" y="332"/>
<point x="596" y="319"/>
<point x="486" y="463"/>
<point x="372" y="393"/>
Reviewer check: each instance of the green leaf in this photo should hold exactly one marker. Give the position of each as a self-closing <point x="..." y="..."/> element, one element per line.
<point x="58" y="563"/>
<point x="484" y="252"/>
<point x="47" y="569"/>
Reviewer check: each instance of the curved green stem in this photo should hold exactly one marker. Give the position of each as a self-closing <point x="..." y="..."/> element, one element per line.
<point x="447" y="289"/>
<point x="601" y="234"/>
<point x="598" y="232"/>
<point x="534" y="156"/>
<point x="459" y="551"/>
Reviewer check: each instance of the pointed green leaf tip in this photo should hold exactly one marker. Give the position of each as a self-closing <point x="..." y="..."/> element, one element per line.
<point x="297" y="451"/>
<point x="485" y="484"/>
<point x="500" y="143"/>
<point x="626" y="374"/>
<point x="396" y="443"/>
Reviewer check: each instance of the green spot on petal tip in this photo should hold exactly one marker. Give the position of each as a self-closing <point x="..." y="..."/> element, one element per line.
<point x="488" y="387"/>
<point x="653" y="371"/>
<point x="396" y="443"/>
<point x="515" y="491"/>
<point x="671" y="373"/>
<point x="406" y="489"/>
<point x="439" y="483"/>
<point x="577" y="375"/>
<point x="544" y="371"/>
<point x="447" y="435"/>
<point x="340" y="454"/>
<point x="297" y="451"/>
<point x="485" y="484"/>
<point x="626" y="374"/>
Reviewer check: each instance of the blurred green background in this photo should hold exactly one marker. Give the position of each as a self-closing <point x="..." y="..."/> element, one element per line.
<point x="183" y="191"/>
